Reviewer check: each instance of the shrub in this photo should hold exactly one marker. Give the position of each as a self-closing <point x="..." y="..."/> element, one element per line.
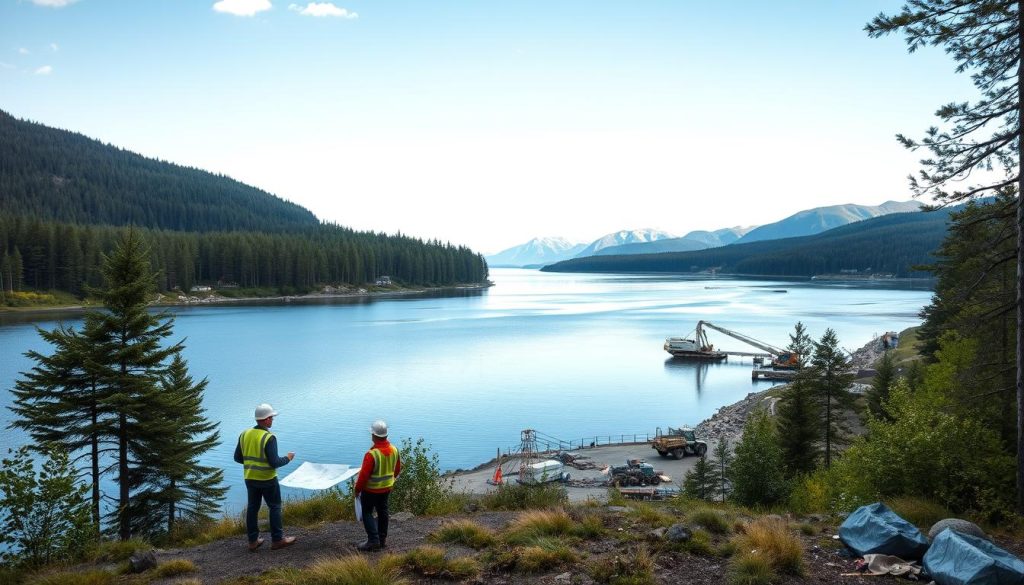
<point x="635" y="567"/>
<point x="422" y="489"/>
<point x="919" y="512"/>
<point x="757" y="469"/>
<point x="44" y="514"/>
<point x="174" y="568"/>
<point x="525" y="497"/>
<point x="464" y="532"/>
<point x="771" y="538"/>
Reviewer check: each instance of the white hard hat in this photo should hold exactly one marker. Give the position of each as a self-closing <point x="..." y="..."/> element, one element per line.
<point x="379" y="428"/>
<point x="265" y="411"/>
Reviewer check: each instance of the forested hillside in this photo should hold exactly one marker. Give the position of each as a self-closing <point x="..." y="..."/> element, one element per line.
<point x="65" y="198"/>
<point x="64" y="176"/>
<point x="891" y="244"/>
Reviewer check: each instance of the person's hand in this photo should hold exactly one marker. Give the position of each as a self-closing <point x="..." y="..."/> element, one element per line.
<point x="291" y="455"/>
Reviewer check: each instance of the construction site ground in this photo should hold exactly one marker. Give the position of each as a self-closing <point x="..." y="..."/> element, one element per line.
<point x="475" y="482"/>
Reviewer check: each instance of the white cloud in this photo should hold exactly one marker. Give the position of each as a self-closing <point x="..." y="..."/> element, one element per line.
<point x="322" y="9"/>
<point x="54" y="47"/>
<point x="53" y="3"/>
<point x="242" y="7"/>
<point x="44" y="70"/>
<point x="23" y="51"/>
<point x="6" y="65"/>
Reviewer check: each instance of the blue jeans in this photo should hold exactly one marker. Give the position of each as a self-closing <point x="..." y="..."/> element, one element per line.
<point x="270" y="492"/>
<point x="376" y="528"/>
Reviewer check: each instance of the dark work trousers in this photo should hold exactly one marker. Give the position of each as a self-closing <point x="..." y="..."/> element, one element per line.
<point x="376" y="528"/>
<point x="270" y="492"/>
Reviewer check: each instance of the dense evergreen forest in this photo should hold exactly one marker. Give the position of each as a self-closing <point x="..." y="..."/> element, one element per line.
<point x="65" y="199"/>
<point x="63" y="176"/>
<point x="892" y="244"/>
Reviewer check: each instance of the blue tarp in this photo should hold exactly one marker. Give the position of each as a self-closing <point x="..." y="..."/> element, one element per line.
<point x="877" y="529"/>
<point x="960" y="559"/>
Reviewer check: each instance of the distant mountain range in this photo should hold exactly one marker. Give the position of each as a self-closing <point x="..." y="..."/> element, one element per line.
<point x="545" y="251"/>
<point x="892" y="244"/>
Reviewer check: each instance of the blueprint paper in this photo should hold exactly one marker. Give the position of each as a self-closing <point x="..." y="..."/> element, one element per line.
<point x="318" y="476"/>
<point x="359" y="508"/>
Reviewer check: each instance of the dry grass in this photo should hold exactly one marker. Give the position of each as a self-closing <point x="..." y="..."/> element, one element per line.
<point x="713" y="521"/>
<point x="347" y="570"/>
<point x="635" y="567"/>
<point x="525" y="497"/>
<point x="431" y="561"/>
<point x="112" y="551"/>
<point x="196" y="534"/>
<point x="464" y="532"/>
<point x="174" y="568"/>
<point x="652" y="515"/>
<point x="543" y="555"/>
<point x="751" y="569"/>
<point x="772" y="539"/>
<point x="75" y="578"/>
<point x="538" y="523"/>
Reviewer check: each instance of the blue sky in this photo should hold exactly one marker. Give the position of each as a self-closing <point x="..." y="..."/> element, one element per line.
<point x="485" y="123"/>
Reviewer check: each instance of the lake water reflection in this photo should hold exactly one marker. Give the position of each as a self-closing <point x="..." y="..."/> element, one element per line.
<point x="570" y="355"/>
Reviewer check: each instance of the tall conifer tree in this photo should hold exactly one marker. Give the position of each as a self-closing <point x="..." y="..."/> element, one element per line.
<point x="831" y="380"/>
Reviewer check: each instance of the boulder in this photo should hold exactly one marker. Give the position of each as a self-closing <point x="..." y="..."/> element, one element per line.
<point x="678" y="533"/>
<point x="142" y="561"/>
<point x="961" y="526"/>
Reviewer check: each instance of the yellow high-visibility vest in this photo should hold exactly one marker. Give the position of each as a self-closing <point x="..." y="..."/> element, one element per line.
<point x="383" y="476"/>
<point x="254" y="454"/>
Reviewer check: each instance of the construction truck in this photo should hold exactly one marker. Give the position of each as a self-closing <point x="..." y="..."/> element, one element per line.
<point x="636" y="472"/>
<point x="678" y="443"/>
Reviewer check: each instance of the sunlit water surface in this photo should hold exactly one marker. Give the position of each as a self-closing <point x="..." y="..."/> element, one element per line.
<point x="571" y="355"/>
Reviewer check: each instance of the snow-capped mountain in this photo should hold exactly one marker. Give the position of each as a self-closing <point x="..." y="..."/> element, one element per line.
<point x="624" y="237"/>
<point x="536" y="251"/>
<point x="820" y="219"/>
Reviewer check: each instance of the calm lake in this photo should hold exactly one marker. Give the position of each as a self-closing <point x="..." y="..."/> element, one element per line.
<point x="570" y="355"/>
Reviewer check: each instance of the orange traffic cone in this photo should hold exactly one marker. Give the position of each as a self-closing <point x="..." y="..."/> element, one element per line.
<point x="496" y="480"/>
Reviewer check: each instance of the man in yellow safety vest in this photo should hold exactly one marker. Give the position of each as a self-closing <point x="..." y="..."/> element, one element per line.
<point x="381" y="467"/>
<point x="257" y="451"/>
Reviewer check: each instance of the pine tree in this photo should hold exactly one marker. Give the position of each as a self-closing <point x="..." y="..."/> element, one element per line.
<point x="128" y="339"/>
<point x="885" y="377"/>
<point x="799" y="420"/>
<point x="700" y="480"/>
<point x="173" y="484"/>
<point x="831" y="380"/>
<point x="984" y="38"/>
<point x="801" y="344"/>
<point x="721" y="462"/>
<point x="757" y="467"/>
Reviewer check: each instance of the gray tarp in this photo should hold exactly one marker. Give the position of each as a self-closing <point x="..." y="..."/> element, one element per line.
<point x="877" y="529"/>
<point x="961" y="559"/>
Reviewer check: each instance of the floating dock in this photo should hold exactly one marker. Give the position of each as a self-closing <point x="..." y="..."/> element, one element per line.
<point x="770" y="374"/>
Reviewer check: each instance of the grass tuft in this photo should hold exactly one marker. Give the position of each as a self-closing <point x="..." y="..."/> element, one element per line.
<point x="431" y="561"/>
<point x="751" y="569"/>
<point x="712" y="521"/>
<point x="349" y="570"/>
<point x="112" y="551"/>
<point x="194" y="534"/>
<point x="772" y="539"/>
<point x="635" y="567"/>
<point x="174" y="568"/>
<point x="75" y="578"/>
<point x="539" y="523"/>
<point x="525" y="497"/>
<point x="652" y="515"/>
<point x="464" y="532"/>
<point x="325" y="506"/>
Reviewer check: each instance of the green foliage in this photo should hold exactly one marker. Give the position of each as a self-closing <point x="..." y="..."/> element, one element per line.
<point x="526" y="497"/>
<point x="885" y="377"/>
<point x="919" y="512"/>
<point x="772" y="538"/>
<point x="801" y="344"/>
<point x="721" y="464"/>
<point x="700" y="481"/>
<point x="757" y="470"/>
<point x="431" y="561"/>
<point x="535" y="524"/>
<point x="713" y="521"/>
<point x="830" y="380"/>
<point x="799" y="421"/>
<point x="44" y="516"/>
<point x="930" y="452"/>
<point x="751" y="569"/>
<point x="112" y="551"/>
<point x="422" y="489"/>
<point x="328" y="505"/>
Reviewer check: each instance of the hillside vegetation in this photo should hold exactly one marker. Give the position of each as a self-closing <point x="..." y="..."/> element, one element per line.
<point x="892" y="244"/>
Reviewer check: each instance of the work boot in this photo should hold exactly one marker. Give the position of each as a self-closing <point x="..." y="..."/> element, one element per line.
<point x="383" y="542"/>
<point x="256" y="544"/>
<point x="283" y="543"/>
<point x="369" y="546"/>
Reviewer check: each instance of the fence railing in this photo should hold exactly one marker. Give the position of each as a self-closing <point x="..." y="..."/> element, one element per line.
<point x="545" y="443"/>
